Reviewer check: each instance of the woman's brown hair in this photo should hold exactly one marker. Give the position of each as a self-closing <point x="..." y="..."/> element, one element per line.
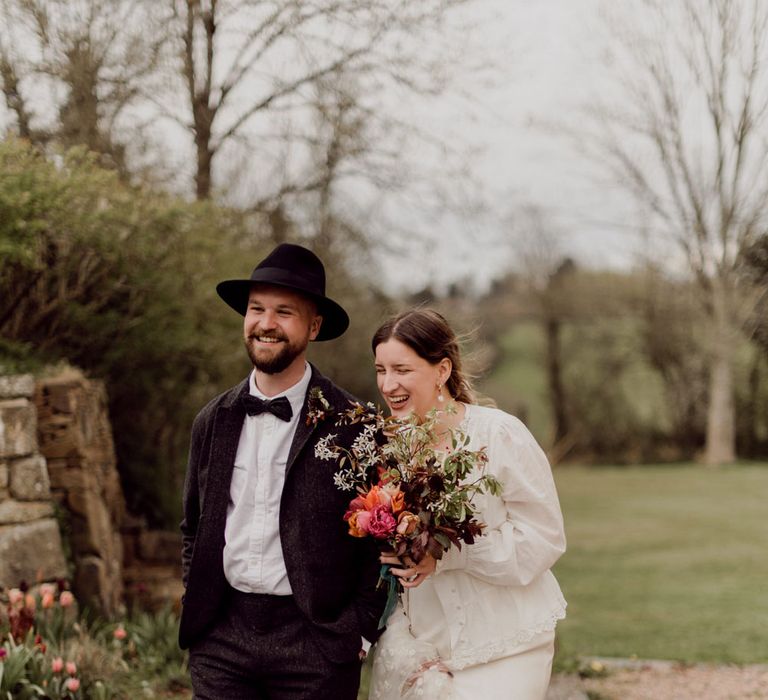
<point x="430" y="336"/>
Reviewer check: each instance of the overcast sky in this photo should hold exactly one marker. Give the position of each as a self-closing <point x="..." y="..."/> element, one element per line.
<point x="551" y="58"/>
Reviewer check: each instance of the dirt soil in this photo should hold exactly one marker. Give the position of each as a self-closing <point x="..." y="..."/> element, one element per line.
<point x="637" y="680"/>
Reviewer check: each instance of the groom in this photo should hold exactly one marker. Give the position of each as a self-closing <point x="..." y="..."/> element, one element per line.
<point x="278" y="594"/>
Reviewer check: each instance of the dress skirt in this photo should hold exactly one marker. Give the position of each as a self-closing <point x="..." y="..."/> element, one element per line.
<point x="405" y="667"/>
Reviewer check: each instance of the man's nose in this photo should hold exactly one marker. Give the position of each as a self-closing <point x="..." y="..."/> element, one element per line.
<point x="268" y="319"/>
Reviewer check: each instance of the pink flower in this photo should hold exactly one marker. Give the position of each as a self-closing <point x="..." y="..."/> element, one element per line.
<point x="120" y="633"/>
<point x="358" y="523"/>
<point x="15" y="597"/>
<point x="66" y="599"/>
<point x="382" y="523"/>
<point x="3" y="653"/>
<point x="57" y="665"/>
<point x="73" y="684"/>
<point x="71" y="668"/>
<point x="47" y="589"/>
<point x="47" y="601"/>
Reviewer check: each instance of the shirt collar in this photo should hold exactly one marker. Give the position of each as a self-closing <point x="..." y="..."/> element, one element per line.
<point x="294" y="394"/>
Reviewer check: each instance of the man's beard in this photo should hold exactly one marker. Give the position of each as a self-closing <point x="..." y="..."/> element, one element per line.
<point x="274" y="363"/>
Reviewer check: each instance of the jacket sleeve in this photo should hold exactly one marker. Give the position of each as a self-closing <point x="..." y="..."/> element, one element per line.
<point x="531" y="538"/>
<point x="191" y="497"/>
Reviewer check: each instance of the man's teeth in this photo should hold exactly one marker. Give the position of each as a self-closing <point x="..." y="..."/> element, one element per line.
<point x="267" y="340"/>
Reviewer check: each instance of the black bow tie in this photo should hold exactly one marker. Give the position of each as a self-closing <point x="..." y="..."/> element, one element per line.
<point x="279" y="407"/>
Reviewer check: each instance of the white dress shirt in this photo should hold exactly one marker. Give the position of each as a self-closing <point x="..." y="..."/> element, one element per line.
<point x="253" y="554"/>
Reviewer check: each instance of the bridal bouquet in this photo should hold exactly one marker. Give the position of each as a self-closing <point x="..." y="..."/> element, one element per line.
<point x="411" y="497"/>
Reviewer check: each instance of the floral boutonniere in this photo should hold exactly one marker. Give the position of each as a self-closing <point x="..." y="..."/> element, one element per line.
<point x="319" y="408"/>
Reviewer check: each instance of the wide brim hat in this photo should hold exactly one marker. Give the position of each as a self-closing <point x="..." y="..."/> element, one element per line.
<point x="296" y="268"/>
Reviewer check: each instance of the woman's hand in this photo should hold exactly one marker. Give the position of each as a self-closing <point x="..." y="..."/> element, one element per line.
<point x="409" y="572"/>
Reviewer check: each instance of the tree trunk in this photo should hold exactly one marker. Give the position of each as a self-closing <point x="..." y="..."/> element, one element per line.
<point x="720" y="445"/>
<point x="555" y="380"/>
<point x="203" y="174"/>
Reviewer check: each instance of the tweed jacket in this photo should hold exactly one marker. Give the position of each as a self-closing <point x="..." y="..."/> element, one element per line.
<point x="333" y="575"/>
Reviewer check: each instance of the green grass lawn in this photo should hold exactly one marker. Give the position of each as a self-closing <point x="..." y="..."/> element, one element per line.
<point x="665" y="562"/>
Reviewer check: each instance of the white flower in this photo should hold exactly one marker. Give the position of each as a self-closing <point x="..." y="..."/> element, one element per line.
<point x="364" y="446"/>
<point x="344" y="480"/>
<point x="322" y="451"/>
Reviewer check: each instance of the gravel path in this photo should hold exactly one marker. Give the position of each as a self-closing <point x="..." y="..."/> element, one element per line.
<point x="661" y="680"/>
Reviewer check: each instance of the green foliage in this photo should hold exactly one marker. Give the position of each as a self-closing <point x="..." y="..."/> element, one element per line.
<point x="665" y="562"/>
<point x="120" y="282"/>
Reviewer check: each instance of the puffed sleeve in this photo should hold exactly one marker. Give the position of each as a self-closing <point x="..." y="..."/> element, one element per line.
<point x="530" y="539"/>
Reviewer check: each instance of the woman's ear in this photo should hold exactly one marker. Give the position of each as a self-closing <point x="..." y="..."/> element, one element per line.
<point x="445" y="366"/>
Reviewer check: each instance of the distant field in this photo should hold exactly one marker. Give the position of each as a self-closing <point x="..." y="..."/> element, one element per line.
<point x="665" y="562"/>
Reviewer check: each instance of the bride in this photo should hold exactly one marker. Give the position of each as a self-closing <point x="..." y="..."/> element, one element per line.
<point x="480" y="622"/>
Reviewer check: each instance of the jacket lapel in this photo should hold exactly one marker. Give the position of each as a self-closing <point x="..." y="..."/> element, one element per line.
<point x="228" y="423"/>
<point x="303" y="431"/>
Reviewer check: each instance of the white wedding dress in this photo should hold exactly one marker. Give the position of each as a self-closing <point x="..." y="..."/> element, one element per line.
<point x="397" y="665"/>
<point x="486" y="618"/>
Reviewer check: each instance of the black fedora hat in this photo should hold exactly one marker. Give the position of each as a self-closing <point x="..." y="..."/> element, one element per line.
<point x="293" y="267"/>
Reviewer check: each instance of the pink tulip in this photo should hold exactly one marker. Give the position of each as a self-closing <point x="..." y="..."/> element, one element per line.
<point x="66" y="599"/>
<point x="120" y="633"/>
<point x="73" y="684"/>
<point x="15" y="597"/>
<point x="47" y="589"/>
<point x="57" y="665"/>
<point x="71" y="668"/>
<point x="47" y="601"/>
<point x="3" y="653"/>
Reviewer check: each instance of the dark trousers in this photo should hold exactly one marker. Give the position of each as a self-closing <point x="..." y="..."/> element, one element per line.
<point x="261" y="649"/>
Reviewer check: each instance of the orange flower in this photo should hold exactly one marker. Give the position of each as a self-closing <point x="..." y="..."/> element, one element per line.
<point x="375" y="497"/>
<point x="358" y="523"/>
<point x="398" y="501"/>
<point x="47" y="601"/>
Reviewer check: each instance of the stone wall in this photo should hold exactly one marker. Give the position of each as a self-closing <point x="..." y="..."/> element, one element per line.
<point x="30" y="542"/>
<point x="57" y="457"/>
<point x="76" y="438"/>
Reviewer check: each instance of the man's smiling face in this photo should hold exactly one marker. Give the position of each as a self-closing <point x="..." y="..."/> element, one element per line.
<point x="278" y="325"/>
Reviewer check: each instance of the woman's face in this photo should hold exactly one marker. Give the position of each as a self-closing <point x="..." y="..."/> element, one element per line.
<point x="409" y="383"/>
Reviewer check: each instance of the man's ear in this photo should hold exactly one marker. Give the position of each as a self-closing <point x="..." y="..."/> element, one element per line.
<point x="314" y="327"/>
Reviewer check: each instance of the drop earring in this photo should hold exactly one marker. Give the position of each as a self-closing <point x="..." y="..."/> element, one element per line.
<point x="440" y="393"/>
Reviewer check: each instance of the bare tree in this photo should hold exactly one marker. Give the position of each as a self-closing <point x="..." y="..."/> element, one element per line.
<point x="689" y="140"/>
<point x="86" y="62"/>
<point x="245" y="64"/>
